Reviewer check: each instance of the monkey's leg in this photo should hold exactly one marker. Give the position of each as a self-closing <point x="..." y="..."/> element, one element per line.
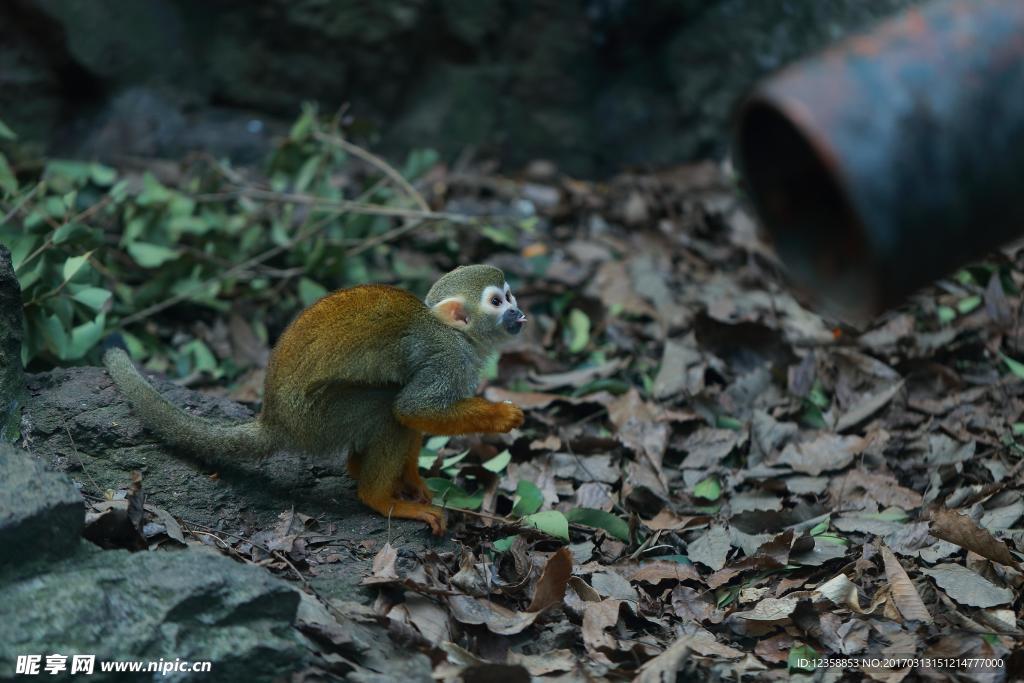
<point x="412" y="483"/>
<point x="468" y="416"/>
<point x="382" y="477"/>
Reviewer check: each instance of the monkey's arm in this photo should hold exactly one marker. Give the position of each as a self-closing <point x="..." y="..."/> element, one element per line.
<point x="431" y="404"/>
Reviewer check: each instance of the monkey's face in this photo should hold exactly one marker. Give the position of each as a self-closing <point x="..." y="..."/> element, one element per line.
<point x="477" y="301"/>
<point x="500" y="305"/>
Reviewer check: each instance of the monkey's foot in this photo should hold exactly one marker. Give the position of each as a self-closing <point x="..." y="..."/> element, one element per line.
<point x="389" y="506"/>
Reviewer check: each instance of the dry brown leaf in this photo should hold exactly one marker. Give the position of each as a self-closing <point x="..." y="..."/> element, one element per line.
<point x="692" y="605"/>
<point x="825" y="453"/>
<point x="882" y="488"/>
<point x="384" y="570"/>
<point x="666" y="520"/>
<point x="556" y="661"/>
<point x="497" y="618"/>
<point x="553" y="580"/>
<point x="867" y="406"/>
<point x="664" y="570"/>
<point x="954" y="527"/>
<point x="610" y="584"/>
<point x="967" y="587"/>
<point x="584" y="590"/>
<point x="841" y="592"/>
<point x="769" y="609"/>
<point x="711" y="548"/>
<point x="597" y="618"/>
<point x="904" y="594"/>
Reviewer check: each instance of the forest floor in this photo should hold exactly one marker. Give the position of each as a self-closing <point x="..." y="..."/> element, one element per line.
<point x="711" y="478"/>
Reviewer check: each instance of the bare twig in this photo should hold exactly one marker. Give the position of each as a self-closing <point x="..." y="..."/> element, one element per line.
<point x="346" y="205"/>
<point x="21" y="203"/>
<point x="381" y="165"/>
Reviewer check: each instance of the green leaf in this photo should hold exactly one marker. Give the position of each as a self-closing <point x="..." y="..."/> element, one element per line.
<point x="8" y="181"/>
<point x="304" y="124"/>
<point x="968" y="304"/>
<point x="579" y="329"/>
<point x="21" y="246"/>
<point x="152" y="191"/>
<point x="498" y="462"/>
<point x="448" y="494"/>
<point x="306" y="174"/>
<point x="503" y="544"/>
<point x="1018" y="428"/>
<point x="436" y="443"/>
<point x="56" y="338"/>
<point x="67" y="232"/>
<point x="801" y="658"/>
<point x="151" y="255"/>
<point x="1016" y="367"/>
<point x="136" y="349"/>
<point x="600" y="519"/>
<point x="708" y="489"/>
<point x="504" y="236"/>
<point x="451" y="460"/>
<point x="551" y="522"/>
<point x="728" y="422"/>
<point x="821" y="527"/>
<point x="818" y="398"/>
<point x="831" y="538"/>
<point x="74" y="264"/>
<point x="84" y="337"/>
<point x="310" y="292"/>
<point x="93" y="297"/>
<point x="946" y="314"/>
<point x="203" y="358"/>
<point x="104" y="176"/>
<point x="64" y="174"/>
<point x="6" y="133"/>
<point x="528" y="498"/>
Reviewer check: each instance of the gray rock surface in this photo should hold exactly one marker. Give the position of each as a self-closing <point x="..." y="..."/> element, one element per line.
<point x="62" y="595"/>
<point x="193" y="605"/>
<point x="41" y="512"/>
<point x="12" y="382"/>
<point x="594" y="84"/>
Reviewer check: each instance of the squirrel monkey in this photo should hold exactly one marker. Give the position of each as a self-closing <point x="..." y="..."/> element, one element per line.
<point x="371" y="368"/>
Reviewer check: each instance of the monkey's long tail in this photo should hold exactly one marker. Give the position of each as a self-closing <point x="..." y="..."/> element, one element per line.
<point x="199" y="436"/>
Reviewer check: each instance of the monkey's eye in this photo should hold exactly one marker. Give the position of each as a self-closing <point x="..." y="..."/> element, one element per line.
<point x="495" y="301"/>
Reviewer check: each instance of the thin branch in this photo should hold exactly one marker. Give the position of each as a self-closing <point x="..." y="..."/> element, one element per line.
<point x="381" y="165"/>
<point x="334" y="204"/>
<point x="21" y="202"/>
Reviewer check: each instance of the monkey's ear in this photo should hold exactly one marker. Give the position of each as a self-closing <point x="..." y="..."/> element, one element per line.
<point x="452" y="311"/>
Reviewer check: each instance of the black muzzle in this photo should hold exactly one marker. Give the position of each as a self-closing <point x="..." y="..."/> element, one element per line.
<point x="513" y="320"/>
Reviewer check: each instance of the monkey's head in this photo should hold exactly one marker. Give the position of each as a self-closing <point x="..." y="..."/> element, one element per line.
<point x="477" y="301"/>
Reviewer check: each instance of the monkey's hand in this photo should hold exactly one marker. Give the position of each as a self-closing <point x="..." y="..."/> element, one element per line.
<point x="467" y="416"/>
<point x="512" y="414"/>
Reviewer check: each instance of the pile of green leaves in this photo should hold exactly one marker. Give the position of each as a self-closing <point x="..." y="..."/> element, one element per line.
<point x="98" y="249"/>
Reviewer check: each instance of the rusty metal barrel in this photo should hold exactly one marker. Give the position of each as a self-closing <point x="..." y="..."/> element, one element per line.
<point x="893" y="157"/>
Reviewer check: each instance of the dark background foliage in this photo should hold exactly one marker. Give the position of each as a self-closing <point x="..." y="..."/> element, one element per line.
<point x="595" y="85"/>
